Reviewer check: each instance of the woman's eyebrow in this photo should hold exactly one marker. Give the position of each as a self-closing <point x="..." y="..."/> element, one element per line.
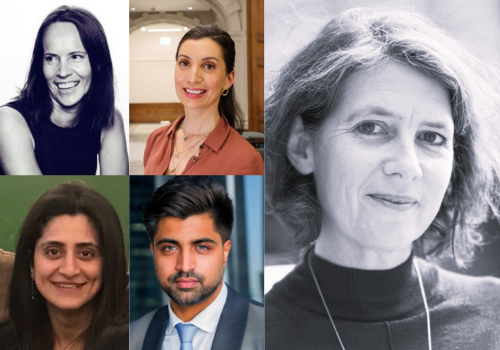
<point x="87" y="244"/>
<point x="203" y="59"/>
<point x="49" y="243"/>
<point x="377" y="110"/>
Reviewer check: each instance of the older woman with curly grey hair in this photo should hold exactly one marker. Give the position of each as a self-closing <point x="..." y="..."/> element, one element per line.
<point x="382" y="136"/>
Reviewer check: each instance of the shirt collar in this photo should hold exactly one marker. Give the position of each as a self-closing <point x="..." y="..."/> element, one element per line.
<point x="216" y="137"/>
<point x="207" y="320"/>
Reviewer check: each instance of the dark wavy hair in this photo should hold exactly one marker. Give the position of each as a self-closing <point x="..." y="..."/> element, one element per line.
<point x="361" y="39"/>
<point x="228" y="105"/>
<point x="98" y="105"/>
<point x="30" y="316"/>
<point x="184" y="196"/>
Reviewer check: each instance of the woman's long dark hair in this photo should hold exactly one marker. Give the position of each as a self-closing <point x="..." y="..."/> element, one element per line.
<point x="30" y="316"/>
<point x="228" y="105"/>
<point x="98" y="105"/>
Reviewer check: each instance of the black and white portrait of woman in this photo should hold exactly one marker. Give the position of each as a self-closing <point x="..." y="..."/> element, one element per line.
<point x="382" y="158"/>
<point x="59" y="110"/>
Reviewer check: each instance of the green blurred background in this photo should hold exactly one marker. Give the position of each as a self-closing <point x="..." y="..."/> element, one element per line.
<point x="19" y="193"/>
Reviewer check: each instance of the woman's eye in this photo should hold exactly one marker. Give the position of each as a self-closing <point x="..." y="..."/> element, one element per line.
<point x="87" y="253"/>
<point x="50" y="59"/>
<point x="432" y="138"/>
<point x="209" y="66"/>
<point x="183" y="63"/>
<point x="77" y="57"/>
<point x="370" y="128"/>
<point x="52" y="252"/>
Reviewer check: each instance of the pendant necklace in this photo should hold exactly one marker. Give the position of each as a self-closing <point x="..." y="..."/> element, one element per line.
<point x="174" y="171"/>
<point x="422" y="290"/>
<point x="187" y="135"/>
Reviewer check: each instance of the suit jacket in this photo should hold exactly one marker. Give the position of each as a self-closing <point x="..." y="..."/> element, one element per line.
<point x="241" y="326"/>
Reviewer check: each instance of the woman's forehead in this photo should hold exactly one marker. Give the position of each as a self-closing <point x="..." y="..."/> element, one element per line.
<point x="394" y="89"/>
<point x="201" y="48"/>
<point x="60" y="37"/>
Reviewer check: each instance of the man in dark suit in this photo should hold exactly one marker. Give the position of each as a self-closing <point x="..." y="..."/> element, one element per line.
<point x="189" y="222"/>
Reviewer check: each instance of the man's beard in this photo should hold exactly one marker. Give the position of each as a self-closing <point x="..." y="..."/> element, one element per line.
<point x="197" y="294"/>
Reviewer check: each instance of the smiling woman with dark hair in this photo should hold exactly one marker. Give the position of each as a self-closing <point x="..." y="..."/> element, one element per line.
<point x="65" y="116"/>
<point x="69" y="285"/>
<point x="382" y="135"/>
<point x="205" y="140"/>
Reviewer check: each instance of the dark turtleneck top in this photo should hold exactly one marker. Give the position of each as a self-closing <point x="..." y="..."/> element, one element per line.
<point x="382" y="309"/>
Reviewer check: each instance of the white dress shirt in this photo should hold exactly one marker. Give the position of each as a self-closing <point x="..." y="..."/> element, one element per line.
<point x="206" y="321"/>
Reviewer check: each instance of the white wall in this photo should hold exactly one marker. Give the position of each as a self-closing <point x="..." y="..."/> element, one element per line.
<point x="152" y="65"/>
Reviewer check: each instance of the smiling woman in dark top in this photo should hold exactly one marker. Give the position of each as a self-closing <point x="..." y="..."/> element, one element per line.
<point x="382" y="134"/>
<point x="64" y="118"/>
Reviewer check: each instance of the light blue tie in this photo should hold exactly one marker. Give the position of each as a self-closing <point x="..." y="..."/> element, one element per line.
<point x="186" y="333"/>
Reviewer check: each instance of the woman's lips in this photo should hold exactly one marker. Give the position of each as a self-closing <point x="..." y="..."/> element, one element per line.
<point x="194" y="93"/>
<point x="394" y="201"/>
<point x="186" y="282"/>
<point x="68" y="285"/>
<point x="67" y="87"/>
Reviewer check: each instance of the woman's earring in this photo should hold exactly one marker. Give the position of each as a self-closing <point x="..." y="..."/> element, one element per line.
<point x="32" y="289"/>
<point x="225" y="92"/>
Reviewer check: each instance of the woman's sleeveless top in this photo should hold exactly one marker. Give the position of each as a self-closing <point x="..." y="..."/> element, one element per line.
<point x="62" y="151"/>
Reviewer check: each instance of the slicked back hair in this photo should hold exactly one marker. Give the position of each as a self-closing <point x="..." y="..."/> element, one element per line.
<point x="185" y="196"/>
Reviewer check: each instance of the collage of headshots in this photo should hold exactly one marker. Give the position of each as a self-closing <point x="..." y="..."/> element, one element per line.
<point x="250" y="175"/>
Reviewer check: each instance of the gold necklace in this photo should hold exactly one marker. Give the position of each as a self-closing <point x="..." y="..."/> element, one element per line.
<point x="422" y="290"/>
<point x="187" y="135"/>
<point x="187" y="149"/>
<point x="174" y="171"/>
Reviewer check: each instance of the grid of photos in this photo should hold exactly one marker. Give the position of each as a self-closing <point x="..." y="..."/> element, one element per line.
<point x="250" y="175"/>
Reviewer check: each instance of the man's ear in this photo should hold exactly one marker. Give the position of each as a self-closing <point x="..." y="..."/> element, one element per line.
<point x="300" y="149"/>
<point x="226" y="248"/>
<point x="152" y="248"/>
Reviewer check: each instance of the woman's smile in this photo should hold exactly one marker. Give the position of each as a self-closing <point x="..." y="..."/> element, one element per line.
<point x="194" y="93"/>
<point x="400" y="203"/>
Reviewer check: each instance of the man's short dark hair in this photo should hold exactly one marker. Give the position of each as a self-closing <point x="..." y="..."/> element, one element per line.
<point x="184" y="196"/>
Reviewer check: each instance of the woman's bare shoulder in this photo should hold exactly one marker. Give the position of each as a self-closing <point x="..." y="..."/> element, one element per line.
<point x="12" y="122"/>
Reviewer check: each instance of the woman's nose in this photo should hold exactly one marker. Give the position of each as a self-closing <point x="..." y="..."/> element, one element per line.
<point x="69" y="266"/>
<point x="194" y="75"/>
<point x="64" y="69"/>
<point x="185" y="262"/>
<point x="403" y="161"/>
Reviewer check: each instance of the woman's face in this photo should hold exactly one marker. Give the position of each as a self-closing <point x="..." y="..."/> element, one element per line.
<point x="66" y="64"/>
<point x="383" y="159"/>
<point x="67" y="263"/>
<point x="200" y="74"/>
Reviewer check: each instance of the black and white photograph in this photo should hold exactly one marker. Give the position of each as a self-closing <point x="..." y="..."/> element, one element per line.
<point x="382" y="162"/>
<point x="64" y="88"/>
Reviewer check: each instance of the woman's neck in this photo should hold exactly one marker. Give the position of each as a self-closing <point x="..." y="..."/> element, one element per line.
<point x="63" y="117"/>
<point x="344" y="251"/>
<point x="200" y="120"/>
<point x="69" y="325"/>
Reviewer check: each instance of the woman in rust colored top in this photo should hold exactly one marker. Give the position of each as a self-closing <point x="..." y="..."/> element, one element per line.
<point x="204" y="140"/>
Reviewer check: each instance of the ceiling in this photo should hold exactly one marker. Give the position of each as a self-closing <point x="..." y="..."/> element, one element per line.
<point x="168" y="5"/>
